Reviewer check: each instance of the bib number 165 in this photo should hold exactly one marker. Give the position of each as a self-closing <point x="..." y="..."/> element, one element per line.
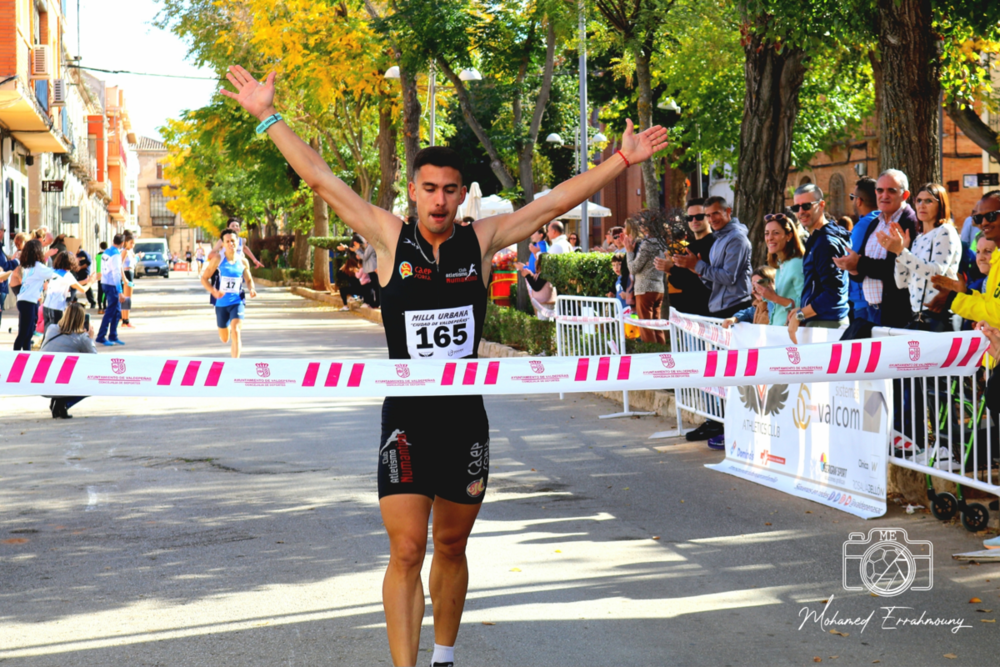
<point x="442" y="336"/>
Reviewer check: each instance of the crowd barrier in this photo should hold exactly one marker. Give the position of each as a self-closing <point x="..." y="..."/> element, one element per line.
<point x="940" y="427"/>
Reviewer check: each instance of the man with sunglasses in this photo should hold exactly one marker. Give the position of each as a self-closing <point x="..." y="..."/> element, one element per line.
<point x="728" y="267"/>
<point x="873" y="266"/>
<point x="694" y="293"/>
<point x="824" y="292"/>
<point x="985" y="305"/>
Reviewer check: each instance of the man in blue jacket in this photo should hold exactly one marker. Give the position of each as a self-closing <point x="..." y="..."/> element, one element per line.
<point x="728" y="269"/>
<point x="866" y="208"/>
<point x="6" y="264"/>
<point x="824" y="294"/>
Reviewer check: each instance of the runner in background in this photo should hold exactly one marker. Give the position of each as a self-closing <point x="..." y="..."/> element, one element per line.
<point x="101" y="298"/>
<point x="234" y="270"/>
<point x="241" y="247"/>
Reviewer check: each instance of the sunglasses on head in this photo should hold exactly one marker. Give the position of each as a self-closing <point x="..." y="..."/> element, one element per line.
<point x="698" y="216"/>
<point x="775" y="217"/>
<point x="805" y="207"/>
<point x="988" y="217"/>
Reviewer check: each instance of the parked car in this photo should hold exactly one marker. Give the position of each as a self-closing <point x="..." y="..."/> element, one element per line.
<point x="153" y="264"/>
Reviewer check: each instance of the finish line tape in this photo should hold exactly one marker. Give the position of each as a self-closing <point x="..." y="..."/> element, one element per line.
<point x="41" y="374"/>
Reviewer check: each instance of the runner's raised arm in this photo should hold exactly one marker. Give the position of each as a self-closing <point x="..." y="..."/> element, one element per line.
<point x="368" y="220"/>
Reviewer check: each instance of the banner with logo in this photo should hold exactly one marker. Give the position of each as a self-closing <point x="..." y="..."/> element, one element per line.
<point x="45" y="374"/>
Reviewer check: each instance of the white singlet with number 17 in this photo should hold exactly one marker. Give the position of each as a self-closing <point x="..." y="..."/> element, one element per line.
<point x="440" y="334"/>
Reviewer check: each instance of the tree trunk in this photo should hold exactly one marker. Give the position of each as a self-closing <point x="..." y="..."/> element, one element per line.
<point x="644" y="78"/>
<point x="907" y="70"/>
<point x="411" y="128"/>
<point x="321" y="227"/>
<point x="773" y="80"/>
<point x="388" y="159"/>
<point x="974" y="128"/>
<point x="300" y="254"/>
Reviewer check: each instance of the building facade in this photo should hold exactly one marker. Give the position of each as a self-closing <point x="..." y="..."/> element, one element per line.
<point x="155" y="220"/>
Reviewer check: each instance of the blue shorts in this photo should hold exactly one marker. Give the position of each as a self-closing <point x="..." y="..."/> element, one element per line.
<point x="226" y="314"/>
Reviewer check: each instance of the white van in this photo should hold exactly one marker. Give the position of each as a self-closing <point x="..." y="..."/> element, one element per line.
<point x="150" y="245"/>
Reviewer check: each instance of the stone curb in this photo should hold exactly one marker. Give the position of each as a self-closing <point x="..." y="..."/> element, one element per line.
<point x="373" y="315"/>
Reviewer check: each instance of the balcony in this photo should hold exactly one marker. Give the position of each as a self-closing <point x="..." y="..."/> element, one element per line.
<point x="23" y="112"/>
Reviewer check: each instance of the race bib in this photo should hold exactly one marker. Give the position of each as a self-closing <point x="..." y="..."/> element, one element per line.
<point x="440" y="334"/>
<point x="230" y="285"/>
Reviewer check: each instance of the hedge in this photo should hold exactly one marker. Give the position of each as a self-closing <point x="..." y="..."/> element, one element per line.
<point x="509" y="326"/>
<point x="281" y="275"/>
<point x="578" y="273"/>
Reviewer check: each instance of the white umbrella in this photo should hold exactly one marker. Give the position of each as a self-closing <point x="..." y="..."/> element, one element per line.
<point x="494" y="205"/>
<point x="473" y="202"/>
<point x="593" y="210"/>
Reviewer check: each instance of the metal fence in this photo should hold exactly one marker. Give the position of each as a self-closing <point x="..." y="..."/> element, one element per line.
<point x="591" y="327"/>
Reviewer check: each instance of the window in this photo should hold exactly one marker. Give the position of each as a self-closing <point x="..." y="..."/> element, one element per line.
<point x="159" y="171"/>
<point x="158" y="212"/>
<point x="835" y="205"/>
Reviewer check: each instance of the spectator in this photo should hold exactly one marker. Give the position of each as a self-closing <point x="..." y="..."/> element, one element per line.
<point x="824" y="285"/>
<point x="59" y="244"/>
<point x="846" y="222"/>
<point x="784" y="253"/>
<point x="762" y="310"/>
<point x="72" y="334"/>
<point x="609" y="244"/>
<point x="979" y="306"/>
<point x="969" y="229"/>
<point x="619" y="288"/>
<point x="618" y="241"/>
<point x="558" y="243"/>
<point x="641" y="246"/>
<point x="728" y="268"/>
<point x="101" y="298"/>
<point x="59" y="288"/>
<point x="83" y="272"/>
<point x="369" y="264"/>
<point x="984" y="254"/>
<point x="347" y="279"/>
<point x="537" y="246"/>
<point x="7" y="266"/>
<point x="34" y="273"/>
<point x="936" y="252"/>
<point x="15" y="280"/>
<point x="129" y="262"/>
<point x="865" y="205"/>
<point x="874" y="266"/>
<point x="694" y="294"/>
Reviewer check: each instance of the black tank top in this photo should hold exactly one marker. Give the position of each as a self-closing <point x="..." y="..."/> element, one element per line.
<point x="435" y="311"/>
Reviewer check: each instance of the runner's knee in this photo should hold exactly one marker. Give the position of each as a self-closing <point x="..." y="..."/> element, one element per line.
<point x="450" y="545"/>
<point x="407" y="552"/>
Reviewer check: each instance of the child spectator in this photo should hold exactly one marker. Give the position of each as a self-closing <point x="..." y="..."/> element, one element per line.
<point x="761" y="310"/>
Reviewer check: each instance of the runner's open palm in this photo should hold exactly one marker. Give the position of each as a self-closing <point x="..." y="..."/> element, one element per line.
<point x="254" y="96"/>
<point x="642" y="146"/>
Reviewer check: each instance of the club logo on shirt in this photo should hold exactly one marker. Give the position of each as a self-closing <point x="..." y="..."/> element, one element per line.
<point x="537" y="366"/>
<point x="793" y="354"/>
<point x="405" y="270"/>
<point x="118" y="366"/>
<point x="402" y="370"/>
<point x="667" y="361"/>
<point x="463" y="275"/>
<point x="476" y="488"/>
<point x="263" y="370"/>
<point x="914" y="350"/>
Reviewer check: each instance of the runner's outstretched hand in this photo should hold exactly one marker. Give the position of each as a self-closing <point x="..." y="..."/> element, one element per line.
<point x="256" y="97"/>
<point x="641" y="146"/>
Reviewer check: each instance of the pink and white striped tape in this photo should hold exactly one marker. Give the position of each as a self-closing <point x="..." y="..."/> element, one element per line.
<point x="103" y="375"/>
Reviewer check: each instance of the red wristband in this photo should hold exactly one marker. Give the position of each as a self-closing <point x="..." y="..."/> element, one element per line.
<point x="627" y="163"/>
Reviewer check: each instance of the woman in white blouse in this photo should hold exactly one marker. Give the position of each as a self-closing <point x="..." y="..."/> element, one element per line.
<point x="936" y="252"/>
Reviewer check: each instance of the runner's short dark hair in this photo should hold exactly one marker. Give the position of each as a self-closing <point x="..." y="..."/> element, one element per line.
<point x="439" y="156"/>
<point x="118" y="239"/>
<point x="226" y="231"/>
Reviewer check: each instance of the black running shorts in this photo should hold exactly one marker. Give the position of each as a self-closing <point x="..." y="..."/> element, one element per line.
<point x="435" y="446"/>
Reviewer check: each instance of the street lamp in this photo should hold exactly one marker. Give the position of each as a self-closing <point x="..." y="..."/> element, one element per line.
<point x="554" y="139"/>
<point x="468" y="74"/>
<point x="668" y="104"/>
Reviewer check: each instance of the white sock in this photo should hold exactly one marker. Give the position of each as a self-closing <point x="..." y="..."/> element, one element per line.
<point x="443" y="654"/>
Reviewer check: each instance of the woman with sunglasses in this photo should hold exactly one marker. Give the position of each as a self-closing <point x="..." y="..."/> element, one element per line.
<point x="784" y="253"/>
<point x="935" y="252"/>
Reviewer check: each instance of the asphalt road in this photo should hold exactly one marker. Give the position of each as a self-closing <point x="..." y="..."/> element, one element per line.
<point x="235" y="532"/>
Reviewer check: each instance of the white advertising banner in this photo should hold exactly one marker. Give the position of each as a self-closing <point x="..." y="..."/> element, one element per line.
<point x="826" y="442"/>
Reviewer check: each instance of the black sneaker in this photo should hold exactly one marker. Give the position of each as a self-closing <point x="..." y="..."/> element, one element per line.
<point x="709" y="429"/>
<point x="442" y="664"/>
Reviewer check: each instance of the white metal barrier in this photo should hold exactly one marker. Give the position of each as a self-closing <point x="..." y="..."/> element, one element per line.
<point x="591" y="326"/>
<point x="941" y="428"/>
<point x="693" y="333"/>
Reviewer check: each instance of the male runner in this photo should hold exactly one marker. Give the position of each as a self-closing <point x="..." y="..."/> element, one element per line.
<point x="234" y="269"/>
<point x="434" y="451"/>
<point x="241" y="247"/>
